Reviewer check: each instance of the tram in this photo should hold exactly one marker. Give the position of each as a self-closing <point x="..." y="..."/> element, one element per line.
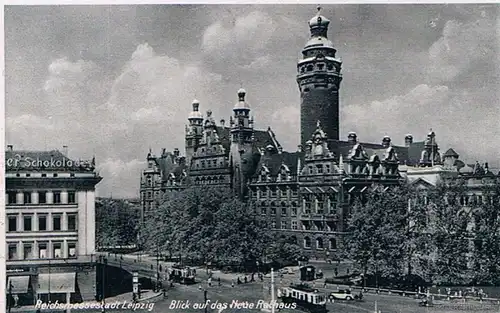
<point x="182" y="274"/>
<point x="307" y="299"/>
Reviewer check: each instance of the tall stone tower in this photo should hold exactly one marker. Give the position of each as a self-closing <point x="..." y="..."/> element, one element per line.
<point x="194" y="132"/>
<point x="241" y="143"/>
<point x="319" y="80"/>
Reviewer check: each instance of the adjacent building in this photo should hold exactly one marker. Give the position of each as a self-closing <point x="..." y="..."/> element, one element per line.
<point x="306" y="194"/>
<point x="50" y="231"/>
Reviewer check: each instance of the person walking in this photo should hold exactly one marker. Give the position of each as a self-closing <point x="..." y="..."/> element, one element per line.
<point x="218" y="280"/>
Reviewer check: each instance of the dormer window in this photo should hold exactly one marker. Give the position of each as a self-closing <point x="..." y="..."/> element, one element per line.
<point x="320" y="168"/>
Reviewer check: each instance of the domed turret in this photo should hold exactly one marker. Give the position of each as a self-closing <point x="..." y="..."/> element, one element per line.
<point x="319" y="24"/>
<point x="241" y="104"/>
<point x="195" y="114"/>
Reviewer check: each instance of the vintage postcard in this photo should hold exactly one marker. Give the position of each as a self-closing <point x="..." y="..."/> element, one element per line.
<point x="227" y="158"/>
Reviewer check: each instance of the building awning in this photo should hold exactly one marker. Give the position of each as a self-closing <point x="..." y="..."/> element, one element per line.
<point x="20" y="284"/>
<point x="56" y="283"/>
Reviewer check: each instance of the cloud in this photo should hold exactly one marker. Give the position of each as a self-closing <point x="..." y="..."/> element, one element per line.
<point x="450" y="114"/>
<point x="259" y="63"/>
<point x="248" y="38"/>
<point x="461" y="47"/>
<point x="121" y="179"/>
<point x="286" y="125"/>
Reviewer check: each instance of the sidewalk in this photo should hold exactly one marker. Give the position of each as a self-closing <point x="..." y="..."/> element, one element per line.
<point x="146" y="296"/>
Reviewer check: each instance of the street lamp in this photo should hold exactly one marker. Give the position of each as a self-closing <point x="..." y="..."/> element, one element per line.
<point x="205" y="298"/>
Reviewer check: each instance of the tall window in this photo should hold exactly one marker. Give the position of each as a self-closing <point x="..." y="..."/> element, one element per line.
<point x="293" y="211"/>
<point x="319" y="243"/>
<point x="319" y="168"/>
<point x="273" y="211"/>
<point x="283" y="224"/>
<point x="28" y="251"/>
<point x="263" y="211"/>
<point x="42" y="250"/>
<point x="42" y="197"/>
<point x="294" y="225"/>
<point x="273" y="224"/>
<point x="273" y="193"/>
<point x="307" y="205"/>
<point x="27" y="219"/>
<point x="56" y="250"/>
<point x="12" y="222"/>
<point x="333" y="244"/>
<point x="12" y="251"/>
<point x="57" y="197"/>
<point x="72" y="249"/>
<point x="72" y="222"/>
<point x="307" y="242"/>
<point x="42" y="222"/>
<point x="12" y="197"/>
<point x="321" y="203"/>
<point x="71" y="197"/>
<point x="27" y="197"/>
<point x="283" y="211"/>
<point x="56" y="222"/>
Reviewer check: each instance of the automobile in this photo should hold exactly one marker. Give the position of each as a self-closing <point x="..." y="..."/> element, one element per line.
<point x="286" y="270"/>
<point x="342" y="294"/>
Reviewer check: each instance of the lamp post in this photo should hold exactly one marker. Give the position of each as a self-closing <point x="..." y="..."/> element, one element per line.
<point x="104" y="261"/>
<point x="205" y="298"/>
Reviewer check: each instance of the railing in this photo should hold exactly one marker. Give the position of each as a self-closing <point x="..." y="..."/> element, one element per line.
<point x="434" y="296"/>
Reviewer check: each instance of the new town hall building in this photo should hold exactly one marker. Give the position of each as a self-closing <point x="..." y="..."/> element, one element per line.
<point x="50" y="227"/>
<point x="304" y="193"/>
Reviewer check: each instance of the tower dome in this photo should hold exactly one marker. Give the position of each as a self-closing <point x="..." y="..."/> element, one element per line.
<point x="241" y="104"/>
<point x="319" y="24"/>
<point x="195" y="114"/>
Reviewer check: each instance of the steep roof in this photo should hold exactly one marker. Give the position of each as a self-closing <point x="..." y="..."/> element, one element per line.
<point x="450" y="153"/>
<point x="407" y="155"/>
<point x="273" y="162"/>
<point x="262" y="138"/>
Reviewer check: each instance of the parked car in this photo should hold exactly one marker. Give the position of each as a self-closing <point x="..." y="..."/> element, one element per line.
<point x="342" y="294"/>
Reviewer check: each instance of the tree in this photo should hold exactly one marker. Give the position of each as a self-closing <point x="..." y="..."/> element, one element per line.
<point x="377" y="232"/>
<point x="209" y="225"/>
<point x="485" y="216"/>
<point x="116" y="223"/>
<point x="449" y="233"/>
<point x="284" y="249"/>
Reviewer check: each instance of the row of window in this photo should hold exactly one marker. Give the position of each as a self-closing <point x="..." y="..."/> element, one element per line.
<point x="284" y="211"/>
<point x="40" y="197"/>
<point x="209" y="163"/>
<point x="319" y="66"/>
<point x="304" y="226"/>
<point x="332" y="243"/>
<point x="27" y="222"/>
<point x="279" y="193"/>
<point x="42" y="175"/>
<point x="40" y="250"/>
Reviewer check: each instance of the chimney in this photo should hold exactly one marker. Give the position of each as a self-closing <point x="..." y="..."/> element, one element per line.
<point x="408" y="140"/>
<point x="386" y="141"/>
<point x="65" y="150"/>
<point x="176" y="152"/>
<point x="10" y="147"/>
<point x="352" y="138"/>
<point x="222" y="122"/>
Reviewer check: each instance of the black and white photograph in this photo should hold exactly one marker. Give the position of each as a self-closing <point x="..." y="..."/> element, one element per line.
<point x="251" y="157"/>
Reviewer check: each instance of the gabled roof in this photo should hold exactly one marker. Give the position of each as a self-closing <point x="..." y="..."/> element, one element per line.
<point x="422" y="182"/>
<point x="274" y="161"/>
<point x="406" y="155"/>
<point x="262" y="138"/>
<point x="450" y="153"/>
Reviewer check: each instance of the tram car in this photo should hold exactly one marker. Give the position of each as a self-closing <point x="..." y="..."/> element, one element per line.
<point x="182" y="274"/>
<point x="307" y="299"/>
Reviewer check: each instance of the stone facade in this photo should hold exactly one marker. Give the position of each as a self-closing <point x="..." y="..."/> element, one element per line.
<point x="50" y="214"/>
<point x="306" y="194"/>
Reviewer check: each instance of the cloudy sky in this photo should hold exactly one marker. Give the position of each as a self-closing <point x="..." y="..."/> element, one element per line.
<point x="113" y="81"/>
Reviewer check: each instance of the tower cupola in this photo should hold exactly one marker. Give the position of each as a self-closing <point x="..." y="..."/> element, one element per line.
<point x="319" y="24"/>
<point x="195" y="114"/>
<point x="241" y="104"/>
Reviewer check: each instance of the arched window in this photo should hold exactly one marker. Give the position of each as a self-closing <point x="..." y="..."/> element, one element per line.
<point x="307" y="242"/>
<point x="319" y="243"/>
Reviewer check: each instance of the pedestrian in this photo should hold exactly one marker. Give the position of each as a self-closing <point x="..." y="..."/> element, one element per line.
<point x="246" y="280"/>
<point x="324" y="285"/>
<point x="238" y="281"/>
<point x="347" y="271"/>
<point x="209" y="282"/>
<point x="336" y="272"/>
<point x="218" y="279"/>
<point x="232" y="284"/>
